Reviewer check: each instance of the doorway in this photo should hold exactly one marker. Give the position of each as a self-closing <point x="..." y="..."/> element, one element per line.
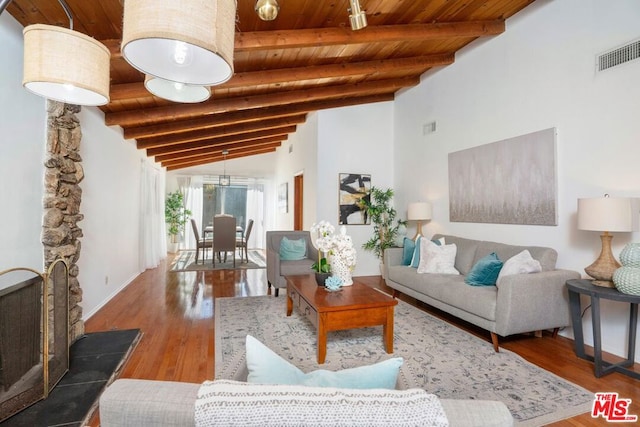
<point x="298" y="185"/>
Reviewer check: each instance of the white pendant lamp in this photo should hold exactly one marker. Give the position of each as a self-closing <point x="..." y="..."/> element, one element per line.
<point x="176" y="92"/>
<point x="65" y="65"/>
<point x="186" y="41"/>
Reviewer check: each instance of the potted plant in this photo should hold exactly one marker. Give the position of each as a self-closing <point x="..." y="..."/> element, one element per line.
<point x="176" y="217"/>
<point x="383" y="217"/>
<point x="321" y="233"/>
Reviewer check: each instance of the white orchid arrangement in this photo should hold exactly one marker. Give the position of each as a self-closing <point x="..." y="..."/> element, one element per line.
<point x="328" y="243"/>
<point x="322" y="232"/>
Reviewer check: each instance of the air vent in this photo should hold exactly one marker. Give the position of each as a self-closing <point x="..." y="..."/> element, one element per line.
<point x="618" y="56"/>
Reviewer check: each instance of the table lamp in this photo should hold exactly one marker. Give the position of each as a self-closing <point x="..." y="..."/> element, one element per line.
<point x="419" y="211"/>
<point x="606" y="214"/>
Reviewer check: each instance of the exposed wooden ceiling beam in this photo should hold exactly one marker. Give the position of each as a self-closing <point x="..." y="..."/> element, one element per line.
<point x="203" y="134"/>
<point x="172" y="112"/>
<point x="288" y="39"/>
<point x="268" y="77"/>
<point x="181" y="164"/>
<point x="248" y="136"/>
<point x="257" y="114"/>
<point x="271" y="142"/>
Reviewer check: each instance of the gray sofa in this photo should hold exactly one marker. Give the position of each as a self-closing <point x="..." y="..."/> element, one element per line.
<point x="277" y="269"/>
<point x="520" y="303"/>
<point x="145" y="403"/>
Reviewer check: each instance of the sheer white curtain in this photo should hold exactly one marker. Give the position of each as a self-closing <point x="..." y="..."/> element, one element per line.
<point x="191" y="188"/>
<point x="153" y="237"/>
<point x="255" y="211"/>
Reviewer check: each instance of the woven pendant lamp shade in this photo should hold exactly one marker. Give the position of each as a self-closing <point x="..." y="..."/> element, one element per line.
<point x="186" y="41"/>
<point x="176" y="92"/>
<point x="65" y="65"/>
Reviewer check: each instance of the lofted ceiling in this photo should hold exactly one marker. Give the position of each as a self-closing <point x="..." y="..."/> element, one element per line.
<point x="307" y="59"/>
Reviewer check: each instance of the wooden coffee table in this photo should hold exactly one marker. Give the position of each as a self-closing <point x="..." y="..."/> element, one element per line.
<point x="356" y="306"/>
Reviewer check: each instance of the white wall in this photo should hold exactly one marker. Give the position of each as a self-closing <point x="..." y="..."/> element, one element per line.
<point x="22" y="147"/>
<point x="111" y="209"/>
<point x="298" y="155"/>
<point x="110" y="198"/>
<point x="539" y="74"/>
<point x="356" y="139"/>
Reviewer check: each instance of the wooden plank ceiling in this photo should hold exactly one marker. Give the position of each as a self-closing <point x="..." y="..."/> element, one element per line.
<point x="307" y="59"/>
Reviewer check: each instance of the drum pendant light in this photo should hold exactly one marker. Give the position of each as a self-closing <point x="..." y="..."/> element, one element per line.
<point x="65" y="65"/>
<point x="185" y="41"/>
<point x="176" y="92"/>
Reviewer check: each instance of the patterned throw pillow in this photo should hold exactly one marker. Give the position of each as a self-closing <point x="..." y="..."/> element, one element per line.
<point x="522" y="263"/>
<point x="231" y="403"/>
<point x="293" y="250"/>
<point x="437" y="259"/>
<point x="415" y="260"/>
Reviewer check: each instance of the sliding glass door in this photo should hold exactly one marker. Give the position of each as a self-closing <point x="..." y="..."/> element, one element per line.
<point x="230" y="200"/>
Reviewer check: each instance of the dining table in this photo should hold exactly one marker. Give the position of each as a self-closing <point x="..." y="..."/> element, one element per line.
<point x="208" y="231"/>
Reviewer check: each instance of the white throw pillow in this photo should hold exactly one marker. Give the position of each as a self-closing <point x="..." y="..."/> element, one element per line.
<point x="521" y="263"/>
<point x="437" y="259"/>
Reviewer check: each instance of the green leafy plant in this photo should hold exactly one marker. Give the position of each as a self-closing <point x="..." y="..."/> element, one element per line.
<point x="321" y="266"/>
<point x="175" y="214"/>
<point x="383" y="217"/>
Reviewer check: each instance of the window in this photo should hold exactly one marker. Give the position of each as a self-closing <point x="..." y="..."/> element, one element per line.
<point x="231" y="200"/>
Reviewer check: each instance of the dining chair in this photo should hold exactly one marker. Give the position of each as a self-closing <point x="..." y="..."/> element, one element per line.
<point x="224" y="237"/>
<point x="201" y="243"/>
<point x="242" y="242"/>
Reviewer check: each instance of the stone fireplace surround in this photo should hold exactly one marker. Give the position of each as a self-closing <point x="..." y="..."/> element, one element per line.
<point x="61" y="201"/>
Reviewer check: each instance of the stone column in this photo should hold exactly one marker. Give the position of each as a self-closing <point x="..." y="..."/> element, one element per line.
<point x="62" y="197"/>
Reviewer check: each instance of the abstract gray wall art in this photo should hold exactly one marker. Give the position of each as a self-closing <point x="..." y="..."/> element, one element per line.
<point x="506" y="182"/>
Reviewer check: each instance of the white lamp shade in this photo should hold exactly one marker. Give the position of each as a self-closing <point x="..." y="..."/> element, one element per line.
<point x="420" y="211"/>
<point x="65" y="65"/>
<point x="605" y="214"/>
<point x="187" y="41"/>
<point x="176" y="92"/>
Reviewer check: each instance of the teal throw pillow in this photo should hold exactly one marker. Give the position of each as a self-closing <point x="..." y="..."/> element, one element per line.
<point x="485" y="272"/>
<point x="408" y="247"/>
<point x="266" y="367"/>
<point x="415" y="260"/>
<point x="293" y="250"/>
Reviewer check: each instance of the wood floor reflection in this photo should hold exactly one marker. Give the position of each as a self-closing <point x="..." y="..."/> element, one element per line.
<point x="175" y="313"/>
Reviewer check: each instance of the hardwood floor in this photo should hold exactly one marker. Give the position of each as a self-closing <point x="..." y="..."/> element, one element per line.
<point x="174" y="311"/>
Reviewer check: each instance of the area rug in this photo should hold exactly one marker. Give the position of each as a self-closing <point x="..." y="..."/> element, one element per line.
<point x="186" y="261"/>
<point x="438" y="357"/>
<point x="94" y="362"/>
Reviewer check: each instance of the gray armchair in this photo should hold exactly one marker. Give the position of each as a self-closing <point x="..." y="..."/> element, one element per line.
<point x="276" y="268"/>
